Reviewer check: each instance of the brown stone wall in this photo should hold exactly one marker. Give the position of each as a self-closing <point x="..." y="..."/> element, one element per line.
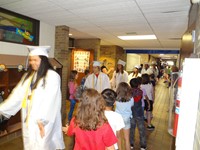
<point x="88" y="44"/>
<point x="63" y="55"/>
<point x="111" y="53"/>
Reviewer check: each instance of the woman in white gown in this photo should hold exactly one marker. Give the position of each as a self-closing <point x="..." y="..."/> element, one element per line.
<point x="120" y="75"/>
<point x="38" y="95"/>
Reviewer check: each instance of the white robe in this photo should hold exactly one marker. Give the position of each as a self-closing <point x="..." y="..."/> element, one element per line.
<point x="131" y="76"/>
<point x="118" y="78"/>
<point x="99" y="84"/>
<point x="146" y="71"/>
<point x="46" y="107"/>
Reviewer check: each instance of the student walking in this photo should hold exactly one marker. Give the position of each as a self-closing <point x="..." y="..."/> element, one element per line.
<point x="90" y="126"/>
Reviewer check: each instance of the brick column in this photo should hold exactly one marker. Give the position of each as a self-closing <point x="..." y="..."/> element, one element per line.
<point x="62" y="54"/>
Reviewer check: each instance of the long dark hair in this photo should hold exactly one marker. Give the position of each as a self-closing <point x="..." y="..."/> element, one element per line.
<point x="42" y="71"/>
<point x="121" y="71"/>
<point x="73" y="74"/>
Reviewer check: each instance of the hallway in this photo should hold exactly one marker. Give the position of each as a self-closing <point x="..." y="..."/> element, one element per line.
<point x="159" y="139"/>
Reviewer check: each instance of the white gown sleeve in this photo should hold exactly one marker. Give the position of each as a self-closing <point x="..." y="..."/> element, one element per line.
<point x="86" y="84"/>
<point x="13" y="103"/>
<point x="126" y="77"/>
<point x="106" y="82"/>
<point x="113" y="80"/>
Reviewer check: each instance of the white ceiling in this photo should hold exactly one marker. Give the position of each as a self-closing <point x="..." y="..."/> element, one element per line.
<point x="107" y="19"/>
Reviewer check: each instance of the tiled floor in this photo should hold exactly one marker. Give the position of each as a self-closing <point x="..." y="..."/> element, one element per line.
<point x="159" y="139"/>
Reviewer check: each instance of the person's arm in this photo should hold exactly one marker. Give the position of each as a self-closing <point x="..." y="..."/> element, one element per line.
<point x="125" y="76"/>
<point x="104" y="70"/>
<point x="113" y="80"/>
<point x="87" y="82"/>
<point x="110" y="148"/>
<point x="147" y="99"/>
<point x="65" y="129"/>
<point x="10" y="106"/>
<point x="106" y="82"/>
<point x="41" y="128"/>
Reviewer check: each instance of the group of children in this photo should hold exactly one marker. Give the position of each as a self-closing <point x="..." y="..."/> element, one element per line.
<point x="101" y="118"/>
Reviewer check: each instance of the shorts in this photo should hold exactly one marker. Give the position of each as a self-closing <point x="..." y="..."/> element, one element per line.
<point x="146" y="105"/>
<point x="127" y="122"/>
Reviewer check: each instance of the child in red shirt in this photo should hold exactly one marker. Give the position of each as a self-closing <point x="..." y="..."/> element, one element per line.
<point x="90" y="126"/>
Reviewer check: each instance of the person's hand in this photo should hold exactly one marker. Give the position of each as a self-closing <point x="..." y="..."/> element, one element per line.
<point x="65" y="129"/>
<point x="41" y="128"/>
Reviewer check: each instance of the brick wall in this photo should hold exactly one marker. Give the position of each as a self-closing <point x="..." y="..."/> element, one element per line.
<point x="63" y="55"/>
<point x="111" y="53"/>
<point x="88" y="44"/>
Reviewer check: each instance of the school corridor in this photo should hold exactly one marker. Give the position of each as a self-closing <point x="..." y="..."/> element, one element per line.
<point x="158" y="139"/>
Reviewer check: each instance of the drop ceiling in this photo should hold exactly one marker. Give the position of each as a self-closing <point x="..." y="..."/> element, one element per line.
<point x="107" y="19"/>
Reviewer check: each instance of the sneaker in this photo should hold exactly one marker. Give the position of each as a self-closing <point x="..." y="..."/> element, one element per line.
<point x="132" y="147"/>
<point x="151" y="127"/>
<point x="143" y="148"/>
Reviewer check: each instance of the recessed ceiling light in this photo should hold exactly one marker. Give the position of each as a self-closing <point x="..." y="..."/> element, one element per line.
<point x="70" y="34"/>
<point x="138" y="37"/>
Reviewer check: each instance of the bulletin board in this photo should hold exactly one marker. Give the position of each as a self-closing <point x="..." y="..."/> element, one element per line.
<point x="82" y="59"/>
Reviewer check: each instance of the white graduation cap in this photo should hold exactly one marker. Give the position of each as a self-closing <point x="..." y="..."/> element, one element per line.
<point x="96" y="64"/>
<point x="121" y="62"/>
<point x="38" y="50"/>
<point x="137" y="66"/>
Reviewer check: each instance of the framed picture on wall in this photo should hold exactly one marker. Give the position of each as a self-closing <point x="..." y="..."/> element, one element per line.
<point x="17" y="28"/>
<point x="81" y="60"/>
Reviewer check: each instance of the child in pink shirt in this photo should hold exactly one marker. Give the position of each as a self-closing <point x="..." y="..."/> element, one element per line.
<point x="72" y="85"/>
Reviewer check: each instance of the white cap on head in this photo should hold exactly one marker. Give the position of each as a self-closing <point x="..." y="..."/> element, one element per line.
<point x="96" y="64"/>
<point x="121" y="62"/>
<point x="38" y="50"/>
<point x="137" y="66"/>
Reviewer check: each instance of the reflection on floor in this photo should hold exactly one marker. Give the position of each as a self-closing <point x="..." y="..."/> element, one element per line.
<point x="159" y="139"/>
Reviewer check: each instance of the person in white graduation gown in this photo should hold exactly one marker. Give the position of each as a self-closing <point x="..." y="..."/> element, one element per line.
<point x="97" y="80"/>
<point x="146" y="69"/>
<point x="38" y="95"/>
<point x="120" y="75"/>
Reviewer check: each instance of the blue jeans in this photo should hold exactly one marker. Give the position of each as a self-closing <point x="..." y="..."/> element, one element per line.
<point x="72" y="105"/>
<point x="139" y="121"/>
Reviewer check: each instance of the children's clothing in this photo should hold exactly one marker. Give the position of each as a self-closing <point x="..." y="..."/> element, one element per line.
<point x="138" y="118"/>
<point x="116" y="122"/>
<point x="124" y="109"/>
<point x="94" y="139"/>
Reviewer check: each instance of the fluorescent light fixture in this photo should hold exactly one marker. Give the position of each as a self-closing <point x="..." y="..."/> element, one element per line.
<point x="138" y="37"/>
<point x="70" y="34"/>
